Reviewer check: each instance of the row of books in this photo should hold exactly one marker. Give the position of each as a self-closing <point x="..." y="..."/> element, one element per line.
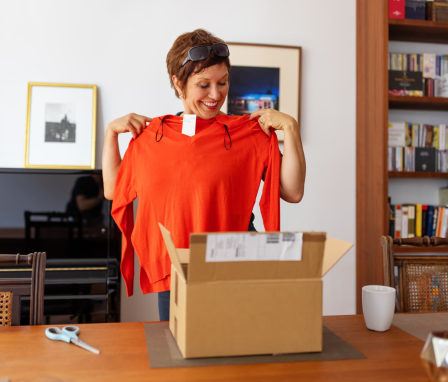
<point x="409" y="134"/>
<point x="428" y="87"/>
<point x="419" y="75"/>
<point x="435" y="87"/>
<point x="403" y="83"/>
<point x="410" y="159"/>
<point x="419" y="10"/>
<point x="417" y="220"/>
<point x="431" y="65"/>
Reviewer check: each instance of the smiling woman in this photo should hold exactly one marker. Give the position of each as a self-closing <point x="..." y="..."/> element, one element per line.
<point x="199" y="171"/>
<point x="205" y="92"/>
<point x="202" y="80"/>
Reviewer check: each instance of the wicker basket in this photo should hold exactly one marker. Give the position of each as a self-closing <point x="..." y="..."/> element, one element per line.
<point x="5" y="308"/>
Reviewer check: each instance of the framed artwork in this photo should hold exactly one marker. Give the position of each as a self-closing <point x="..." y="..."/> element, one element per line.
<point x="60" y="126"/>
<point x="262" y="77"/>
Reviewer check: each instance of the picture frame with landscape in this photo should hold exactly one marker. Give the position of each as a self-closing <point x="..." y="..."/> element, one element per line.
<point x="264" y="76"/>
<point x="60" y="126"/>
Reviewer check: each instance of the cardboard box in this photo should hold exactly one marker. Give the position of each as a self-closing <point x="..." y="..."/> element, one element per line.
<point x="231" y="308"/>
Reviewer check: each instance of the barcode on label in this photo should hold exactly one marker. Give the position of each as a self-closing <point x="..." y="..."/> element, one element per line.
<point x="289" y="237"/>
<point x="272" y="239"/>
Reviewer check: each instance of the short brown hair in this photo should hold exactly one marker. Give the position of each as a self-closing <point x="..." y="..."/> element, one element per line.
<point x="179" y="51"/>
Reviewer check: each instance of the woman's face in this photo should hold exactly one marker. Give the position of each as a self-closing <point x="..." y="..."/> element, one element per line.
<point x="206" y="91"/>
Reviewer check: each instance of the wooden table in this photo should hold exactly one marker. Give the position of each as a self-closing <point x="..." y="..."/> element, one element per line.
<point x="26" y="354"/>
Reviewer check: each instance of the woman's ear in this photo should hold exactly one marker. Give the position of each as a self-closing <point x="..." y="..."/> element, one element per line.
<point x="177" y="86"/>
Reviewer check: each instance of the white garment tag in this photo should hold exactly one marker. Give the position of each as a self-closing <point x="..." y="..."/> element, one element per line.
<point x="189" y="124"/>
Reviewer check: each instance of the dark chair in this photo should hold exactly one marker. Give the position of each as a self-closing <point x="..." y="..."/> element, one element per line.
<point x="421" y="279"/>
<point x="14" y="289"/>
<point x="57" y="232"/>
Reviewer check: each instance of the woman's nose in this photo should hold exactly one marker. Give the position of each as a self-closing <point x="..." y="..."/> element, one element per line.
<point x="214" y="92"/>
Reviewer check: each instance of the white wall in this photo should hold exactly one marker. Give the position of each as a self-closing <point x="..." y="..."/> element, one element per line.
<point x="121" y="47"/>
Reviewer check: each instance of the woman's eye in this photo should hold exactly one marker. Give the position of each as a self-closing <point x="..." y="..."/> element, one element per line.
<point x="203" y="86"/>
<point x="223" y="83"/>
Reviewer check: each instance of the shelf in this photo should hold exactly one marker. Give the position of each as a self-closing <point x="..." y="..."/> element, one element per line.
<point x="11" y="170"/>
<point x="403" y="249"/>
<point x="420" y="103"/>
<point x="418" y="31"/>
<point x="421" y="174"/>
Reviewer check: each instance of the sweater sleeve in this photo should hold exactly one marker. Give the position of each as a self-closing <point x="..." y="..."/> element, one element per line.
<point x="270" y="198"/>
<point x="123" y="214"/>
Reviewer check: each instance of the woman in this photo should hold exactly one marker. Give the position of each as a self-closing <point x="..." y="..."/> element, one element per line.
<point x="86" y="201"/>
<point x="218" y="167"/>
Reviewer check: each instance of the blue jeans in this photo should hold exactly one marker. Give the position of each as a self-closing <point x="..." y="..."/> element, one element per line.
<point x="164" y="305"/>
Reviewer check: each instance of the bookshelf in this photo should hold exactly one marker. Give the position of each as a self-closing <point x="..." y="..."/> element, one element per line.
<point x="418" y="31"/>
<point x="417" y="174"/>
<point x="420" y="103"/>
<point x="374" y="31"/>
<point x="401" y="249"/>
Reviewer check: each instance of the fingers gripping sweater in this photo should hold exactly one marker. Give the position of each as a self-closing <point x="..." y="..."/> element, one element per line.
<point x="204" y="183"/>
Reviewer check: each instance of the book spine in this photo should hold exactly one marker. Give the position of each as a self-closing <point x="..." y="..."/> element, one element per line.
<point x="443" y="224"/>
<point x="418" y="220"/>
<point x="396" y="9"/>
<point x="398" y="218"/>
<point x="434" y="221"/>
<point x="439" y="221"/>
<point x="435" y="138"/>
<point x="390" y="151"/>
<point x="430" y="217"/>
<point x="424" y="219"/>
<point x="442" y="137"/>
<point x="408" y="134"/>
<point x="404" y="222"/>
<point x="411" y="221"/>
<point x="391" y="220"/>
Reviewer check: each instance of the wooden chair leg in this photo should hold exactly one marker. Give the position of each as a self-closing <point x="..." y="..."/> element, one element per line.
<point x="41" y="288"/>
<point x="33" y="288"/>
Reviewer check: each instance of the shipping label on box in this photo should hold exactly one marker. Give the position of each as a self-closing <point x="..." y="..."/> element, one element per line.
<point x="252" y="247"/>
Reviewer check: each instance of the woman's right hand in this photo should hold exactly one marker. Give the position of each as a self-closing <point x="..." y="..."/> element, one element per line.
<point x="133" y="123"/>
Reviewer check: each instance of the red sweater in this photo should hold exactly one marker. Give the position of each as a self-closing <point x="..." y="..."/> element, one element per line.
<point x="205" y="183"/>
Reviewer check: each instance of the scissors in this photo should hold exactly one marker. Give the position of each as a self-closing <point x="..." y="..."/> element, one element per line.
<point x="68" y="334"/>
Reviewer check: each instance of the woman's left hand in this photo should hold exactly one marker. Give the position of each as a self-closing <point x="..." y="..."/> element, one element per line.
<point x="273" y="118"/>
<point x="293" y="167"/>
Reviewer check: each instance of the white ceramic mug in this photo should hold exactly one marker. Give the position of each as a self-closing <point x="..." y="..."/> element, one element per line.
<point x="378" y="306"/>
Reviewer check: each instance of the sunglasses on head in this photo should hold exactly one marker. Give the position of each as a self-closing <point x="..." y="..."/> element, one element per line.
<point x="201" y="52"/>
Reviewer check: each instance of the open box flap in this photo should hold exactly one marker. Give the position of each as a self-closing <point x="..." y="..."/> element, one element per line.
<point x="310" y="266"/>
<point x="334" y="250"/>
<point x="171" y="250"/>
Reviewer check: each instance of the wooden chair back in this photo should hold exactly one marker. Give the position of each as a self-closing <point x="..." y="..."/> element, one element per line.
<point x="12" y="290"/>
<point x="421" y="280"/>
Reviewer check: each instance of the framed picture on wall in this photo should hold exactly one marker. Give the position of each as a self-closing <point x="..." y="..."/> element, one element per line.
<point x="263" y="77"/>
<point x="60" y="126"/>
